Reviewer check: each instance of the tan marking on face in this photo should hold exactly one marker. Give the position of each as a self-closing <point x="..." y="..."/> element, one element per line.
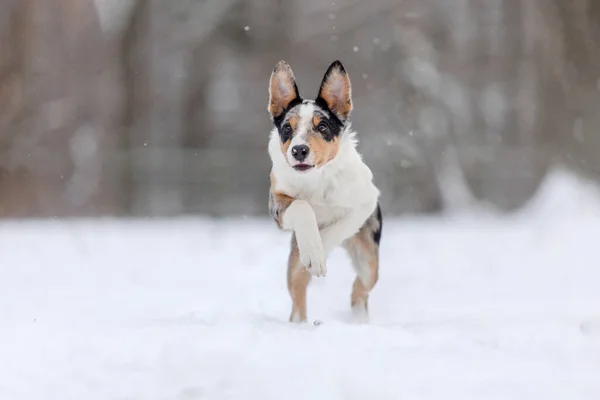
<point x="316" y="120"/>
<point x="293" y="121"/>
<point x="322" y="150"/>
<point x="298" y="278"/>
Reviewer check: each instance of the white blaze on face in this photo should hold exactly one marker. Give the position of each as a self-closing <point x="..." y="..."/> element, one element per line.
<point x="305" y="116"/>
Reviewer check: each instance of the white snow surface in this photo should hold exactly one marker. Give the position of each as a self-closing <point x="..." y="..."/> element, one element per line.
<point x="467" y="307"/>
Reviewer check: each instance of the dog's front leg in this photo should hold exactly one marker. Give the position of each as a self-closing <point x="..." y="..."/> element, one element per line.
<point x="333" y="235"/>
<point x="300" y="218"/>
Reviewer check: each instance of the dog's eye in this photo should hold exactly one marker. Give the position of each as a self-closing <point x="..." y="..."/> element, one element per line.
<point x="323" y="128"/>
<point x="286" y="132"/>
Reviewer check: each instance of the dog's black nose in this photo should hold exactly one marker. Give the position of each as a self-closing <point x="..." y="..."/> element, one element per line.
<point x="300" y="152"/>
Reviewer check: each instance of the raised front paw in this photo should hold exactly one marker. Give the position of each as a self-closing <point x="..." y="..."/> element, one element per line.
<point x="317" y="267"/>
<point x="312" y="257"/>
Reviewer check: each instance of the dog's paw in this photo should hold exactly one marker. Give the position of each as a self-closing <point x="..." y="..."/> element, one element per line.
<point x="318" y="267"/>
<point x="312" y="257"/>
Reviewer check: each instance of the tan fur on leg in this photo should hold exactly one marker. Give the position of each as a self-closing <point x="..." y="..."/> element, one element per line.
<point x="364" y="252"/>
<point x="298" y="278"/>
<point x="278" y="202"/>
<point x="360" y="290"/>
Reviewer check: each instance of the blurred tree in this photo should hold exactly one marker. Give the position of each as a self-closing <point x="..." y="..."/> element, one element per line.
<point x="569" y="66"/>
<point x="152" y="107"/>
<point x="55" y="113"/>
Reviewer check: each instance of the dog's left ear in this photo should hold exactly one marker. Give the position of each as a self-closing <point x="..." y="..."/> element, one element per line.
<point x="336" y="90"/>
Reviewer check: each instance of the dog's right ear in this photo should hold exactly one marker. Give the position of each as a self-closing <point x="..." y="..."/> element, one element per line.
<point x="282" y="89"/>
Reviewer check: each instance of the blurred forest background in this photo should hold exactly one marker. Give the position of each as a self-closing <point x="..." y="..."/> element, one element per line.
<point x="158" y="108"/>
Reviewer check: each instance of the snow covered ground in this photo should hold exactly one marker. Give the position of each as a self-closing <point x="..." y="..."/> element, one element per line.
<point x="469" y="307"/>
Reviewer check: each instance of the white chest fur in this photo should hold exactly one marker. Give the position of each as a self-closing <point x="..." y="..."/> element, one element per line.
<point x="340" y="187"/>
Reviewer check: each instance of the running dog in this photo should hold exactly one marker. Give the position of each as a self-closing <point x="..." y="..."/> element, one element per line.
<point x="321" y="189"/>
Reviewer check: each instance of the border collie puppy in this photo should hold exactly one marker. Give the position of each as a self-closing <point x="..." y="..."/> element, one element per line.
<point x="321" y="190"/>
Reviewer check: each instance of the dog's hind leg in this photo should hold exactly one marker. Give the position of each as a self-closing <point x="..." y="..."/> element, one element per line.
<point x="298" y="278"/>
<point x="363" y="249"/>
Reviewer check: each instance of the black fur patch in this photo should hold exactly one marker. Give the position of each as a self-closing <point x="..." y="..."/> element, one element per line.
<point x="377" y="232"/>
<point x="321" y="103"/>
<point x="333" y="123"/>
<point x="273" y="211"/>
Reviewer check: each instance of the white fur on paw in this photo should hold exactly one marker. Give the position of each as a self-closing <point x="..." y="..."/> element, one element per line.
<point x="360" y="314"/>
<point x="296" y="318"/>
<point x="313" y="257"/>
<point x="316" y="265"/>
<point x="318" y="269"/>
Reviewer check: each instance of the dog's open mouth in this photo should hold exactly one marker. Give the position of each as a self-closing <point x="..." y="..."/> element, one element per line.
<point x="302" y="167"/>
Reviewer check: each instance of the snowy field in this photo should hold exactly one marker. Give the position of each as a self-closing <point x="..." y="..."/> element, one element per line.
<point x="467" y="307"/>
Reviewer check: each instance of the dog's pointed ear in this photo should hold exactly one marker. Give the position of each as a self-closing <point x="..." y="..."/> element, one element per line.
<point x="282" y="89"/>
<point x="336" y="90"/>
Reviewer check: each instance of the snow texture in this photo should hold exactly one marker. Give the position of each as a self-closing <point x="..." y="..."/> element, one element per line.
<point x="467" y="307"/>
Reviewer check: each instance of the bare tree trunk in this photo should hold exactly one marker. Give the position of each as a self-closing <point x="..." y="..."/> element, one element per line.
<point x="55" y="112"/>
<point x="570" y="64"/>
